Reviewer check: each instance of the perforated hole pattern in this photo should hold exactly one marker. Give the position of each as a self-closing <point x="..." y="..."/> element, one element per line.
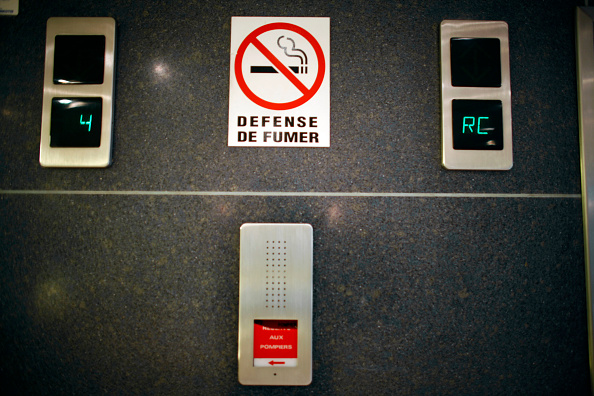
<point x="276" y="275"/>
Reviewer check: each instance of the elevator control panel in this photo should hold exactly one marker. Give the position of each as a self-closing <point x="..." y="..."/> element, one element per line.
<point x="476" y="95"/>
<point x="275" y="304"/>
<point x="78" y="90"/>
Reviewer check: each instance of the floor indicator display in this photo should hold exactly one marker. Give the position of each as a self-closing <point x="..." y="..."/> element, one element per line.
<point x="78" y="88"/>
<point x="275" y="304"/>
<point x="475" y="95"/>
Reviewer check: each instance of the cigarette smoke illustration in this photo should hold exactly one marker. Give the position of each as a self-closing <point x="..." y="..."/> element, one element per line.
<point x="291" y="52"/>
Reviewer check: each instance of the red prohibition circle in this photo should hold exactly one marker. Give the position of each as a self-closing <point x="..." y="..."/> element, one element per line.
<point x="252" y="38"/>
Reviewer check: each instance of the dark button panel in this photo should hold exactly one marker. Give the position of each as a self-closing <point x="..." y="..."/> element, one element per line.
<point x="477" y="124"/>
<point x="476" y="62"/>
<point x="76" y="122"/>
<point x="79" y="59"/>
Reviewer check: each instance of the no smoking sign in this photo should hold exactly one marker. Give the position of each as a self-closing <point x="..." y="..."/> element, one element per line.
<point x="279" y="91"/>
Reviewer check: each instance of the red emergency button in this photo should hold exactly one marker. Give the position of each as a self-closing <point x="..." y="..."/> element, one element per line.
<point x="275" y="343"/>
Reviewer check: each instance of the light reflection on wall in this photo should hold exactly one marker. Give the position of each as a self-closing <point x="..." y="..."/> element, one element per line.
<point x="51" y="299"/>
<point x="161" y="70"/>
<point x="334" y="215"/>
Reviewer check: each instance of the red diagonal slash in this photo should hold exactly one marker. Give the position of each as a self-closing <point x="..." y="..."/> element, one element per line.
<point x="280" y="66"/>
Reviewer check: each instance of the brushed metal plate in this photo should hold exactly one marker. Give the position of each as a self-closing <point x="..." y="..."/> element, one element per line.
<point x="475" y="159"/>
<point x="585" y="75"/>
<point x="285" y="252"/>
<point x="78" y="156"/>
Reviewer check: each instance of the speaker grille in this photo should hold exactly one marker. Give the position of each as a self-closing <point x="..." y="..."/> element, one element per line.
<point x="275" y="282"/>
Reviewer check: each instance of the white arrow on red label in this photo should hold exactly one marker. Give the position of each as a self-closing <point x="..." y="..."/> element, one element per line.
<point x="272" y="362"/>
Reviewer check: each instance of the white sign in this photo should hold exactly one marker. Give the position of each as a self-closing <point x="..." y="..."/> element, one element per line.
<point x="279" y="92"/>
<point x="9" y="7"/>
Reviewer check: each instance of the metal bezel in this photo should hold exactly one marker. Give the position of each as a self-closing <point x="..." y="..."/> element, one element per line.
<point x="585" y="77"/>
<point x="299" y="306"/>
<point x="475" y="159"/>
<point x="78" y="156"/>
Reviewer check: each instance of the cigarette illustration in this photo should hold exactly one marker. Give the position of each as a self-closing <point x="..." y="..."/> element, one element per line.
<point x="292" y="53"/>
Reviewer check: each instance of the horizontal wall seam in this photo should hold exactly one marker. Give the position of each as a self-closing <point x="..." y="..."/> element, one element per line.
<point x="286" y="194"/>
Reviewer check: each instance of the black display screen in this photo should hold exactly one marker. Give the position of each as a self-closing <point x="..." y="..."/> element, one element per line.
<point x="477" y="124"/>
<point x="79" y="59"/>
<point x="476" y="62"/>
<point x="76" y="122"/>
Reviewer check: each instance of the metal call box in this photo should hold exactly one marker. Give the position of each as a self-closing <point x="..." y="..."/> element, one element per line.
<point x="476" y="95"/>
<point x="78" y="88"/>
<point x="275" y="304"/>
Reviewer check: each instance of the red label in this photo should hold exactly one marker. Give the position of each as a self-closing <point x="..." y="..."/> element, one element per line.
<point x="276" y="339"/>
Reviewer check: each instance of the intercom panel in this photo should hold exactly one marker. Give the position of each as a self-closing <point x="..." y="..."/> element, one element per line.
<point x="275" y="304"/>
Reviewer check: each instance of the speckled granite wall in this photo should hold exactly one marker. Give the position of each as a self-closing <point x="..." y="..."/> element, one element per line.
<point x="132" y="288"/>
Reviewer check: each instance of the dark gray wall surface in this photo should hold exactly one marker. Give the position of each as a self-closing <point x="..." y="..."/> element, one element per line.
<point x="137" y="292"/>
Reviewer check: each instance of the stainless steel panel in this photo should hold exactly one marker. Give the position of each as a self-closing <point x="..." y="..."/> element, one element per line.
<point x="475" y="159"/>
<point x="267" y="250"/>
<point x="78" y="156"/>
<point x="585" y="71"/>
